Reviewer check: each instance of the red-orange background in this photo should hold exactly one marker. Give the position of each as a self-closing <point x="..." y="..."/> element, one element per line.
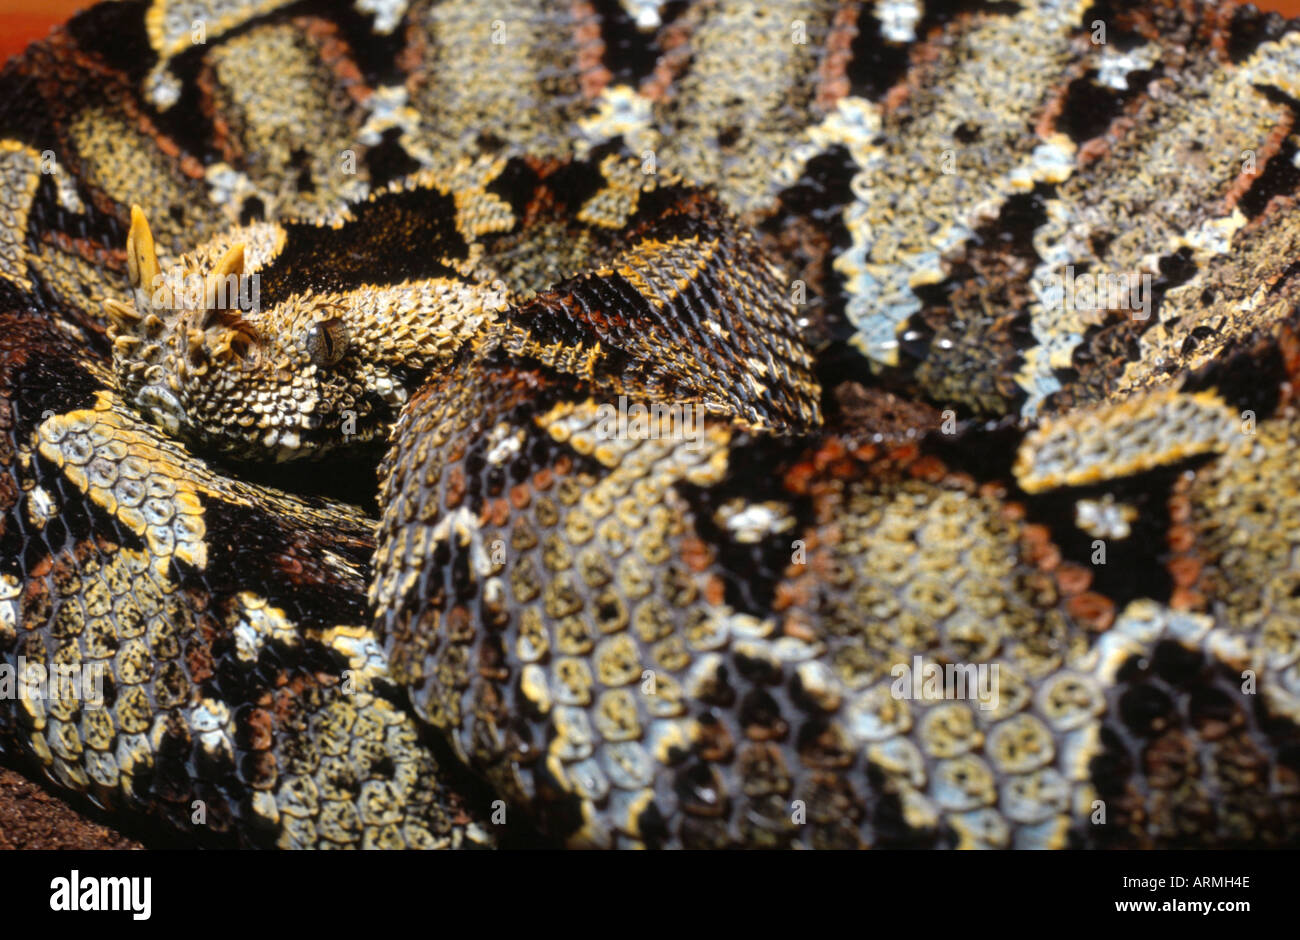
<point x="21" y="21"/>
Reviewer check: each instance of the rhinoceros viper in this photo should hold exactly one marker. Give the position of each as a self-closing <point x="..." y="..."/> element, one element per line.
<point x="827" y="423"/>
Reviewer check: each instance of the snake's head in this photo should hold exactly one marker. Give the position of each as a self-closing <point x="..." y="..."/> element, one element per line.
<point x="315" y="372"/>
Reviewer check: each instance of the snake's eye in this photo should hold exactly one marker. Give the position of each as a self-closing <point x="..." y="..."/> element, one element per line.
<point x="327" y="341"/>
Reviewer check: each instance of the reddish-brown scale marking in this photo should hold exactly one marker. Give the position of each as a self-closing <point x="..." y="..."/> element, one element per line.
<point x="1272" y="144"/>
<point x="336" y="55"/>
<point x="832" y="75"/>
<point x="591" y="50"/>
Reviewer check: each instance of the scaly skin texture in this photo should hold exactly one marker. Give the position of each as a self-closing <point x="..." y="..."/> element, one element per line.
<point x="701" y="319"/>
<point x="710" y="363"/>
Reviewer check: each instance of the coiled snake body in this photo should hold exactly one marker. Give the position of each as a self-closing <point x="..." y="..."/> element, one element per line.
<point x="733" y="371"/>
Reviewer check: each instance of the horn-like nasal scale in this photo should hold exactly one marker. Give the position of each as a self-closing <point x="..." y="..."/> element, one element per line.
<point x="141" y="256"/>
<point x="220" y="297"/>
<point x="231" y="263"/>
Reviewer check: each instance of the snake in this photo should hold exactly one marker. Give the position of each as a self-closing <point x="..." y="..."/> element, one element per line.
<point x="623" y="423"/>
